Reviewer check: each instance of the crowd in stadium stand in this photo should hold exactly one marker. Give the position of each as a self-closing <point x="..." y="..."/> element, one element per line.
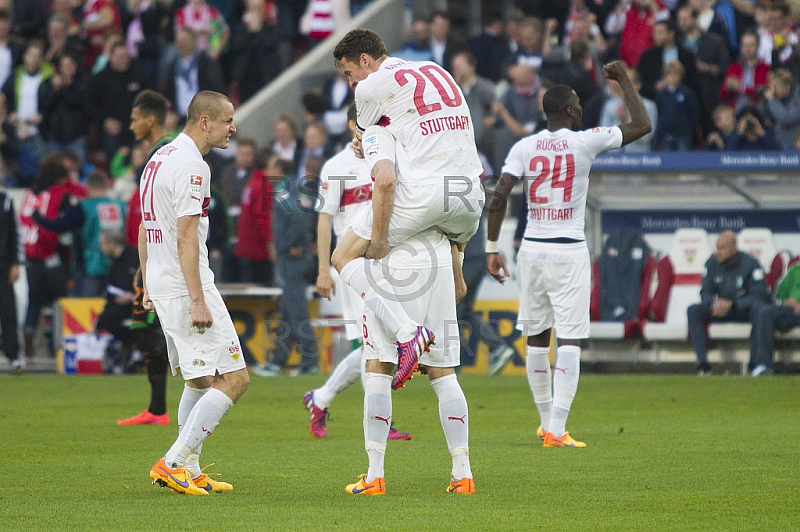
<point x="715" y="75"/>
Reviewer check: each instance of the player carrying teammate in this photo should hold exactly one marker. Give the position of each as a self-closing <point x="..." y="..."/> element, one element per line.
<point x="345" y="195"/>
<point x="554" y="269"/>
<point x="437" y="185"/>
<point x="201" y="339"/>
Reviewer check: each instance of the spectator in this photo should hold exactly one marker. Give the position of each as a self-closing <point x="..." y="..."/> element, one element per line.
<point x="479" y="95"/>
<point x="784" y="37"/>
<point x="534" y="44"/>
<point x="111" y="39"/>
<point x="207" y="24"/>
<point x="294" y="232"/>
<point x="235" y="176"/>
<point x="67" y="10"/>
<point x="60" y="42"/>
<point x="11" y="48"/>
<point x="289" y="13"/>
<point x="115" y="317"/>
<point x="143" y="35"/>
<point x="781" y="104"/>
<point x="678" y="112"/>
<point x="111" y="94"/>
<point x="518" y="114"/>
<point x="745" y="78"/>
<point x="710" y="21"/>
<point x="322" y="18"/>
<point x="417" y="47"/>
<point x="21" y="92"/>
<point x="62" y="99"/>
<point x="10" y="259"/>
<point x="732" y="285"/>
<point x="767" y="317"/>
<point x="286" y="144"/>
<point x="785" y="49"/>
<point x="763" y="29"/>
<point x="443" y="46"/>
<point x="711" y="58"/>
<point x="580" y="74"/>
<point x="509" y="45"/>
<point x="9" y="146"/>
<point x="484" y="48"/>
<point x="100" y="17"/>
<point x="653" y="60"/>
<point x="92" y="216"/>
<point x="633" y="22"/>
<point x="124" y="170"/>
<point x="29" y="18"/>
<point x="337" y="97"/>
<point x="255" y="249"/>
<point x="219" y="232"/>
<point x="254" y="50"/>
<point x="724" y="126"/>
<point x="46" y="262"/>
<point x="315" y="144"/>
<point x="615" y="112"/>
<point x="192" y="71"/>
<point x="751" y="134"/>
<point x="585" y="29"/>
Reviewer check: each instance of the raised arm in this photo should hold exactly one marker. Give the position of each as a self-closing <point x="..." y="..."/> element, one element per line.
<point x="640" y="125"/>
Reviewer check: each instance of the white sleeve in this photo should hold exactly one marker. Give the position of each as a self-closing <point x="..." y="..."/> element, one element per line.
<point x="600" y="139"/>
<point x="330" y="190"/>
<point x="192" y="183"/>
<point x="378" y="144"/>
<point x="367" y="107"/>
<point x="516" y="162"/>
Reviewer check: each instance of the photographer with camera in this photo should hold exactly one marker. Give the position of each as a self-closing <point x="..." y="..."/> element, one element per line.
<point x="781" y="104"/>
<point x="752" y="134"/>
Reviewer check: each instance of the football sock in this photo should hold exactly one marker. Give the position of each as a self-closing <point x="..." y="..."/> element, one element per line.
<point x="377" y="420"/>
<point x="189" y="398"/>
<point x="202" y="421"/>
<point x="157" y="375"/>
<point x="541" y="382"/>
<point x="454" y="416"/>
<point x="344" y="374"/>
<point x="366" y="278"/>
<point x="565" y="384"/>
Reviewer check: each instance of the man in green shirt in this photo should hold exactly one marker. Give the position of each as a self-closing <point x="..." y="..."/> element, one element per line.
<point x="783" y="316"/>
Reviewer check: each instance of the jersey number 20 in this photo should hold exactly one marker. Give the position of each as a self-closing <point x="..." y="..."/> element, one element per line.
<point x="541" y="168"/>
<point x="419" y="89"/>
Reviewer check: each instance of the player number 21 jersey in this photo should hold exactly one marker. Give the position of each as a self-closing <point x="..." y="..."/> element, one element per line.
<point x="555" y="167"/>
<point x="175" y="182"/>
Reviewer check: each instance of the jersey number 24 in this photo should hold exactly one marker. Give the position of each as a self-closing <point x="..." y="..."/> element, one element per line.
<point x="542" y="170"/>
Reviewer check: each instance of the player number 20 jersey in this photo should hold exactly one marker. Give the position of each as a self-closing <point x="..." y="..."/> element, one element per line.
<point x="555" y="167"/>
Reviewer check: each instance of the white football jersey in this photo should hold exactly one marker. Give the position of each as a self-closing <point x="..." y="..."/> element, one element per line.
<point x="555" y="167"/>
<point x="345" y="189"/>
<point x="175" y="182"/>
<point x="419" y="103"/>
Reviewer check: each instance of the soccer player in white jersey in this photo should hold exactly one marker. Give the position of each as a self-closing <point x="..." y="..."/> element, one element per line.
<point x="345" y="195"/>
<point x="421" y="267"/>
<point x="553" y="261"/>
<point x="437" y="185"/>
<point x="201" y="340"/>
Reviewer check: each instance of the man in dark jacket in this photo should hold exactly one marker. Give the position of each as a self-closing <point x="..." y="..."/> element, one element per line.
<point x="190" y="72"/>
<point x="732" y="286"/>
<point x="294" y="224"/>
<point x="651" y="63"/>
<point x="10" y="258"/>
<point x="111" y="94"/>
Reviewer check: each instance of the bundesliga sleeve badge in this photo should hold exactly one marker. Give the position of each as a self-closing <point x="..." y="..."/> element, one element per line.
<point x="196" y="183"/>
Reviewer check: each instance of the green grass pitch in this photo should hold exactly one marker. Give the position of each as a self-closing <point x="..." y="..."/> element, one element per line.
<point x="664" y="453"/>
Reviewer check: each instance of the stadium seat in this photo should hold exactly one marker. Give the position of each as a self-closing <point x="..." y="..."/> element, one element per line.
<point x="679" y="278"/>
<point x="760" y="244"/>
<point x="614" y="330"/>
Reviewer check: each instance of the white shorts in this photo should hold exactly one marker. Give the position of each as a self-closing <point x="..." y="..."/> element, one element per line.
<point x="217" y="350"/>
<point x="429" y="299"/>
<point x="352" y="312"/>
<point x="555" y="287"/>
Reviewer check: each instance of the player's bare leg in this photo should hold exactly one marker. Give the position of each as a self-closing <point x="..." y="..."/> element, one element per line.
<point x="458" y="270"/>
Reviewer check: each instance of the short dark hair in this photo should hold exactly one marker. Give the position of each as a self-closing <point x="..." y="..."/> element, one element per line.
<point x="357" y="42"/>
<point x="246" y="141"/>
<point x="441" y="13"/>
<point x="468" y="57"/>
<point x="152" y="104"/>
<point x="556" y="100"/>
<point x="52" y="171"/>
<point x="287" y="167"/>
<point x="668" y="22"/>
<point x="314" y="102"/>
<point x="97" y="180"/>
